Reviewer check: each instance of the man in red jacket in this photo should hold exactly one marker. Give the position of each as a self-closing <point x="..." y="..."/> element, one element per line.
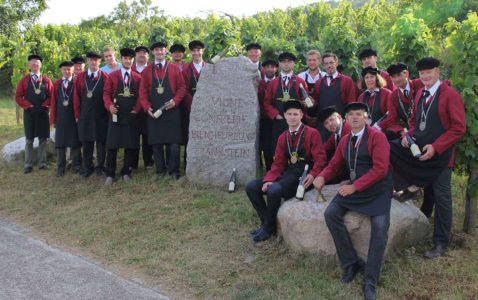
<point x="336" y="125"/>
<point x="297" y="146"/>
<point x="369" y="57"/>
<point x="365" y="153"/>
<point x="437" y="123"/>
<point x="33" y="95"/>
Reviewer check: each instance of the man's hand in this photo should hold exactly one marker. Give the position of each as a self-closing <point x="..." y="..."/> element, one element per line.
<point x="133" y="112"/>
<point x="279" y="117"/>
<point x="150" y="112"/>
<point x="265" y="186"/>
<point x="170" y="104"/>
<point x="319" y="183"/>
<point x="429" y="152"/>
<point x="308" y="180"/>
<point x="347" y="189"/>
<point x="113" y="109"/>
<point x="344" y="182"/>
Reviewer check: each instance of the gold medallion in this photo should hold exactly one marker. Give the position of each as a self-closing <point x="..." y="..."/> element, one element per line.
<point x="160" y="90"/>
<point x="89" y="94"/>
<point x="126" y="92"/>
<point x="286" y="96"/>
<point x="294" y="158"/>
<point x="37" y="91"/>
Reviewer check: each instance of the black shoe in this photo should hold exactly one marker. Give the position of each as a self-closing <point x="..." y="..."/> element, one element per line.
<point x="76" y="170"/>
<point x="262" y="235"/>
<point x="160" y="175"/>
<point x="43" y="167"/>
<point x="369" y="292"/>
<point x="351" y="271"/>
<point x="86" y="174"/>
<point x="27" y="170"/>
<point x="407" y="195"/>
<point x="175" y="175"/>
<point x="254" y="232"/>
<point x="60" y="172"/>
<point x="99" y="172"/>
<point x="436" y="251"/>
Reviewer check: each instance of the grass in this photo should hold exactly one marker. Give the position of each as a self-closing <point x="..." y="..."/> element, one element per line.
<point x="192" y="241"/>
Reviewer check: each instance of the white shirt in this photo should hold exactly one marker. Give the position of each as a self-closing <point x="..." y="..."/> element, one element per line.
<point x="141" y="68"/>
<point x="432" y="90"/>
<point x="286" y="77"/>
<point x="198" y="66"/>
<point x="309" y="78"/>
<point x="95" y="73"/>
<point x="358" y="135"/>
<point x="123" y="72"/>
<point x="267" y="79"/>
<point x="333" y="77"/>
<point x="407" y="88"/>
<point x="163" y="63"/>
<point x="65" y="84"/>
<point x="295" y="129"/>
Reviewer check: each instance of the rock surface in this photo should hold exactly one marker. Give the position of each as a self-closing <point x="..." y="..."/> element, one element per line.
<point x="224" y="126"/>
<point x="303" y="227"/>
<point x="14" y="152"/>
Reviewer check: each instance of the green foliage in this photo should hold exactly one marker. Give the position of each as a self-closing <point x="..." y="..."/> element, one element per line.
<point x="16" y="15"/>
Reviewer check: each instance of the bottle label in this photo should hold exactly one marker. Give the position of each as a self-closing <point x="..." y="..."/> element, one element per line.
<point x="158" y="113"/>
<point x="300" y="192"/>
<point x="232" y="186"/>
<point x="415" y="150"/>
<point x="114" y="118"/>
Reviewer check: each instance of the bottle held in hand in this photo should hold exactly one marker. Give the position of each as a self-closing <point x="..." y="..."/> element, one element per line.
<point x="114" y="117"/>
<point x="301" y="188"/>
<point x="308" y="102"/>
<point x="413" y="146"/>
<point x="160" y="111"/>
<point x="232" y="181"/>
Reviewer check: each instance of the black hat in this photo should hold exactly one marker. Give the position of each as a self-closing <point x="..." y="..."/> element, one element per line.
<point x="293" y="104"/>
<point x="370" y="70"/>
<point x="158" y="45"/>
<point x="253" y="46"/>
<point x="325" y="113"/>
<point x="78" y="60"/>
<point x="141" y="48"/>
<point x="367" y="53"/>
<point x="270" y="62"/>
<point x="356" y="106"/>
<point x="34" y="56"/>
<point x="195" y="44"/>
<point x="66" y="63"/>
<point x="427" y="63"/>
<point x="287" y="55"/>
<point x="396" y="68"/>
<point x="128" y="52"/>
<point x="177" y="48"/>
<point x="93" y="54"/>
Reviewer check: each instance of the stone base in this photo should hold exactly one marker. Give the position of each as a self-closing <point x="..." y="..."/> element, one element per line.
<point x="14" y="152"/>
<point x="303" y="227"/>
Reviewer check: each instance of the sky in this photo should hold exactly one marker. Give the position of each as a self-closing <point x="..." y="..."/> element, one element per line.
<point x="72" y="12"/>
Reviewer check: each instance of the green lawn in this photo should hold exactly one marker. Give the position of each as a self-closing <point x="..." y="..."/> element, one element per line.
<point x="192" y="241"/>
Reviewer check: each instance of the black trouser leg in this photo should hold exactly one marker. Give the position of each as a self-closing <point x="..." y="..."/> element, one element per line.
<point x="88" y="148"/>
<point x="274" y="197"/>
<point x="111" y="162"/>
<point x="158" y="152"/>
<point x="443" y="208"/>
<point x="127" y="162"/>
<point x="100" y="155"/>
<point x="378" y="243"/>
<point x="60" y="159"/>
<point x="147" y="152"/>
<point x="255" y="195"/>
<point x="428" y="201"/>
<point x="173" y="158"/>
<point x="135" y="158"/>
<point x="75" y="154"/>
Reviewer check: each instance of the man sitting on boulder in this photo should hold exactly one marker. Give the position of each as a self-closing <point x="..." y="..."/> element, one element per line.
<point x="365" y="152"/>
<point x="296" y="147"/>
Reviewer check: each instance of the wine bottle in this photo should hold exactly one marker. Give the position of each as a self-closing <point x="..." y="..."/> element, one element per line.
<point x="375" y="125"/>
<point x="308" y="102"/>
<point x="232" y="181"/>
<point x="301" y="188"/>
<point x="114" y="117"/>
<point x="219" y="56"/>
<point x="413" y="146"/>
<point x="160" y="111"/>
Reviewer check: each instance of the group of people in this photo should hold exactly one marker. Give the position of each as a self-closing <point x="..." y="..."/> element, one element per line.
<point x="357" y="134"/>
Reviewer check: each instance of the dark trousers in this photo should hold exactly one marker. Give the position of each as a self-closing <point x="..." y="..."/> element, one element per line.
<point x="147" y="151"/>
<point x="334" y="218"/>
<point x="88" y="148"/>
<point x="285" y="187"/>
<point x="75" y="155"/>
<point x="428" y="201"/>
<point x="443" y="208"/>
<point x="111" y="162"/>
<point x="172" y="158"/>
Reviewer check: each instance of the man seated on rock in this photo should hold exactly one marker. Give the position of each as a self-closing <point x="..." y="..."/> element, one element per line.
<point x="296" y="147"/>
<point x="365" y="153"/>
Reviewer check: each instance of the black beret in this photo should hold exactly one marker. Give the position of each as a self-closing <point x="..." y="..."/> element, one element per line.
<point x="158" y="45"/>
<point x="325" y="113"/>
<point x="34" y="56"/>
<point x="427" y="63"/>
<point x="287" y="55"/>
<point x="370" y="70"/>
<point x="396" y="68"/>
<point x="356" y="106"/>
<point x="93" y="54"/>
<point x="66" y="63"/>
<point x="78" y="60"/>
<point x="270" y="62"/>
<point x="195" y="44"/>
<point x="253" y="46"/>
<point x="367" y="53"/>
<point x="293" y="104"/>
<point x="127" y="52"/>
<point x="177" y="48"/>
<point x="141" y="48"/>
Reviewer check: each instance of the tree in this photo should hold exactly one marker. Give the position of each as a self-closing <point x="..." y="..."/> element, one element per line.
<point x="18" y="15"/>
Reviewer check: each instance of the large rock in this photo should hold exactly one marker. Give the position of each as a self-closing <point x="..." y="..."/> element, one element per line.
<point x="14" y="152"/>
<point x="303" y="227"/>
<point x="224" y="126"/>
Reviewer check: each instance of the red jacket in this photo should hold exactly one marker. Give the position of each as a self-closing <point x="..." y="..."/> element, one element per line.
<point x="261" y="93"/>
<point x="21" y="92"/>
<point x="378" y="149"/>
<point x="390" y="86"/>
<point x="329" y="145"/>
<point x="385" y="98"/>
<point x="56" y="87"/>
<point x="347" y="89"/>
<point x="270" y="95"/>
<point x="452" y="116"/>
<point x="78" y="89"/>
<point x="314" y="149"/>
<point x="176" y="83"/>
<point x="188" y="98"/>
<point x="111" y="84"/>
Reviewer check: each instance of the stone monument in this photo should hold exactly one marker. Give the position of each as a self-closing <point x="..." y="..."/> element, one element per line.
<point x="224" y="123"/>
